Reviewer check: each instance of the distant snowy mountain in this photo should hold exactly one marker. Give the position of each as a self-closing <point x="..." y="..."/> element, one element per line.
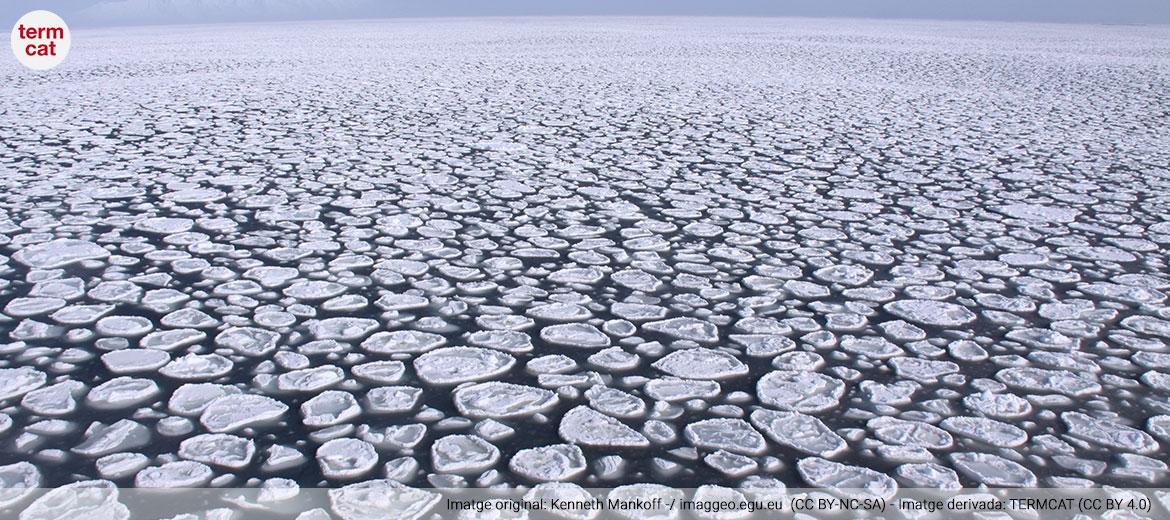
<point x="120" y="12"/>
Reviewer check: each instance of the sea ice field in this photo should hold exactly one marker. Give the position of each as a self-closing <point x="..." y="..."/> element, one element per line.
<point x="749" y="253"/>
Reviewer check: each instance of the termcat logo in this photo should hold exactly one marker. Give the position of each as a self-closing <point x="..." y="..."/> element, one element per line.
<point x="40" y="40"/>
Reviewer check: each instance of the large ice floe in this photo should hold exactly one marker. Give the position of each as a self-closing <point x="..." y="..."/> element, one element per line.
<point x="568" y="254"/>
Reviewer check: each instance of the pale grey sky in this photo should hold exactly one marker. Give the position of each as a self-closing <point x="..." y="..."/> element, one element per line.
<point x="130" y="12"/>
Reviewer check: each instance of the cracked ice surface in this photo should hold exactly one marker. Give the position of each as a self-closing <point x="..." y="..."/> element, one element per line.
<point x="560" y="253"/>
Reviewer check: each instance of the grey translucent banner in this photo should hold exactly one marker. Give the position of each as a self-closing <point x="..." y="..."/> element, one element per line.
<point x="389" y="500"/>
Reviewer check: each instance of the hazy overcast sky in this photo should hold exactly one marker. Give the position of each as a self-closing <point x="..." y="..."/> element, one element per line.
<point x="130" y="12"/>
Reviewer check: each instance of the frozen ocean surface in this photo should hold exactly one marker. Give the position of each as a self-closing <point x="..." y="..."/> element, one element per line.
<point x="751" y="253"/>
